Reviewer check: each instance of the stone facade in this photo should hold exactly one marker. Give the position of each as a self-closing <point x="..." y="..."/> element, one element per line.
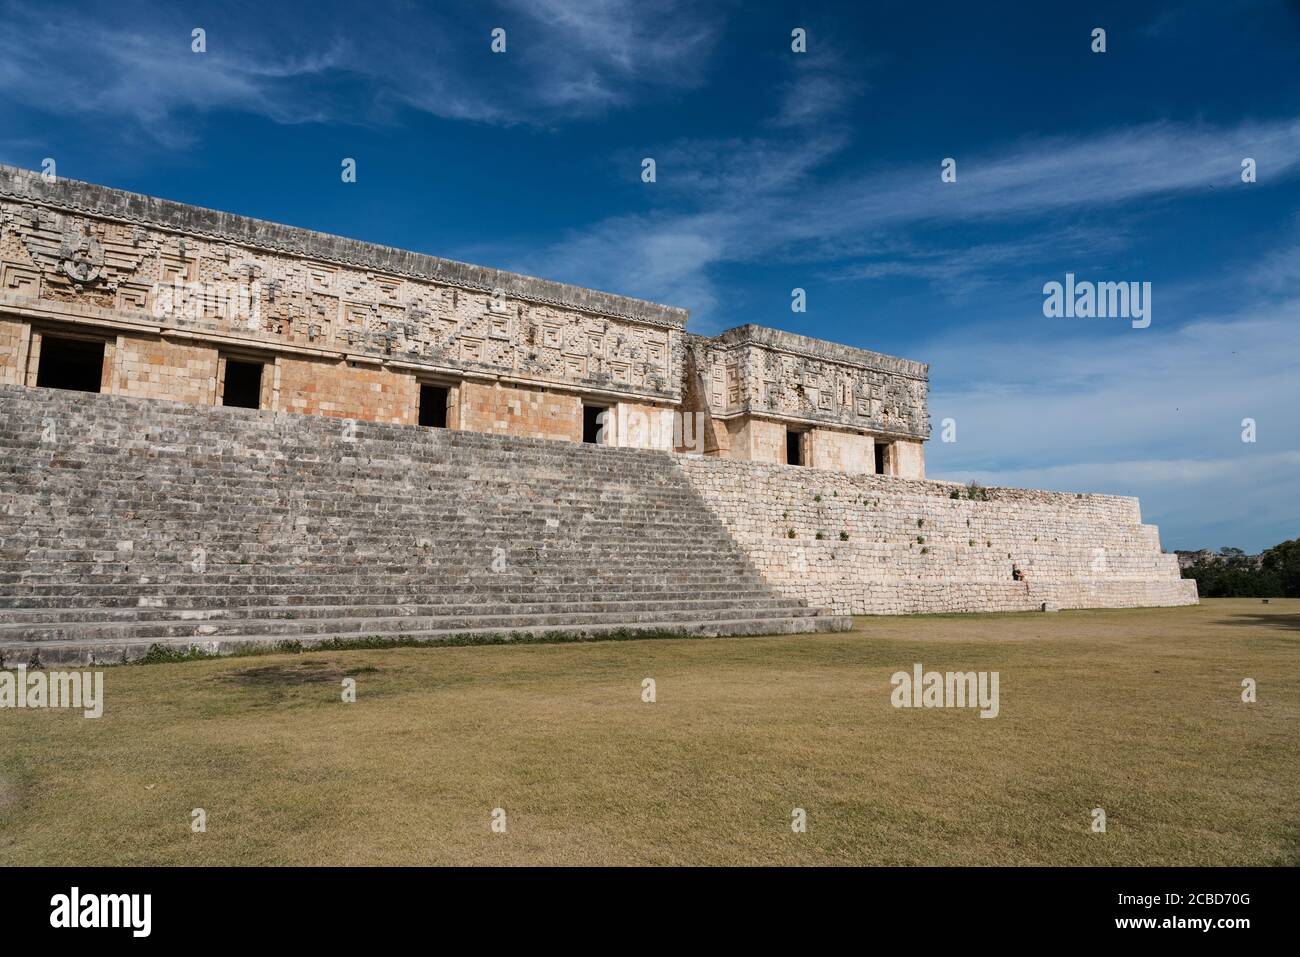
<point x="351" y="329"/>
<point x="533" y="412"/>
<point x="157" y="368"/>
<point x="129" y="523"/>
<point x="188" y="304"/>
<point x="349" y="390"/>
<point x="868" y="544"/>
<point x="347" y="327"/>
<point x="14" y="345"/>
<point x="757" y="384"/>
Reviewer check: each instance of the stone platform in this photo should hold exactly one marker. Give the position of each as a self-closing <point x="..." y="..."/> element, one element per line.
<point x="877" y="545"/>
<point x="127" y="523"/>
<point x="133" y="522"/>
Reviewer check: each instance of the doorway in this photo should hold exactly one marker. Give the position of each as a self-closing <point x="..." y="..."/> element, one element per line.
<point x="243" y="385"/>
<point x="795" y="447"/>
<point x="76" y="364"/>
<point x="593" y="422"/>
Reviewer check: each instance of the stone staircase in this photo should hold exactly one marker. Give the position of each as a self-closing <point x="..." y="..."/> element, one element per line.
<point x="128" y="523"/>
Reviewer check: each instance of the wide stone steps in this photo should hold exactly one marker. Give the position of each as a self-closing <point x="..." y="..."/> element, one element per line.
<point x="431" y="576"/>
<point x="515" y="561"/>
<point x="144" y="523"/>
<point x="345" y="622"/>
<point x="56" y="597"/>
<point x="297" y="593"/>
<point x="108" y="651"/>
<point x="71" y="615"/>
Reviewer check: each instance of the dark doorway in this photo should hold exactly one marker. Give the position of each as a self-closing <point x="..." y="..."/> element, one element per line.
<point x="593" y="419"/>
<point x="76" y="364"/>
<point x="433" y="406"/>
<point x="882" y="449"/>
<point x="243" y="388"/>
<point x="794" y="447"/>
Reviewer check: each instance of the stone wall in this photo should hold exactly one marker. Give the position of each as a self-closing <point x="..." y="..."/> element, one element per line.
<point x="837" y="451"/>
<point x="632" y="425"/>
<point x="756" y="440"/>
<point x="347" y="328"/>
<point x="908" y="459"/>
<point x="347" y="390"/>
<point x="515" y="410"/>
<point x="867" y="544"/>
<point x="13" y="348"/>
<point x="81" y="252"/>
<point x="154" y="368"/>
<point x="756" y="371"/>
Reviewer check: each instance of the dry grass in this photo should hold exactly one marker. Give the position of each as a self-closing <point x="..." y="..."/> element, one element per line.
<point x="1137" y="712"/>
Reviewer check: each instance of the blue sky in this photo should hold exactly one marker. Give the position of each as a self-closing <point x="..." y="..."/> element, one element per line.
<point x="778" y="170"/>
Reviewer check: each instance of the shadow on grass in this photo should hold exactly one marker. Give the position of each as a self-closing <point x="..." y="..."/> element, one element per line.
<point x="1286" y="622"/>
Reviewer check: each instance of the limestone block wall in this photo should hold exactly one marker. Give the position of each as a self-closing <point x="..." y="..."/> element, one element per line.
<point x="756" y="440"/>
<point x="12" y="351"/>
<point x="348" y="390"/>
<point x="761" y="371"/>
<point x="81" y="252"/>
<point x="839" y="451"/>
<point x="866" y="544"/>
<point x="350" y="329"/>
<point x="633" y="425"/>
<point x="518" y="410"/>
<point x="154" y="368"/>
<point x="909" y="459"/>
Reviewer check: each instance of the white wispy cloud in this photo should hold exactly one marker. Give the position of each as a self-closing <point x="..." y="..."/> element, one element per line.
<point x="135" y="73"/>
<point x="138" y="81"/>
<point x="1155" y="413"/>
<point x="598" y="51"/>
<point x="820" y="87"/>
<point x="758" y="200"/>
<point x="976" y="267"/>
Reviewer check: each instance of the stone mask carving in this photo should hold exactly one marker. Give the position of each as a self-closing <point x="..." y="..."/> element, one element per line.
<point x="81" y="257"/>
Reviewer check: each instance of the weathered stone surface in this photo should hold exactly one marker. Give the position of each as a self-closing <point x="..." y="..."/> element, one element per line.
<point x="350" y="328"/>
<point x="754" y="370"/>
<point x="317" y="526"/>
<point x="867" y="544"/>
<point x="128" y="522"/>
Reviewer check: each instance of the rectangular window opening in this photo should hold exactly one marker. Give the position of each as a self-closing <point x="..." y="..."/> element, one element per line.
<point x="794" y="447"/>
<point x="76" y="364"/>
<point x="433" y="406"/>
<point x="243" y="388"/>
<point x="882" y="458"/>
<point x="593" y="424"/>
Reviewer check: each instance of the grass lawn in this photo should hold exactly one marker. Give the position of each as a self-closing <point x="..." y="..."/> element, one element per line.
<point x="1136" y="712"/>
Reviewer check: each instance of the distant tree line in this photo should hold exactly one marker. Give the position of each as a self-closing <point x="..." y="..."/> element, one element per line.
<point x="1234" y="574"/>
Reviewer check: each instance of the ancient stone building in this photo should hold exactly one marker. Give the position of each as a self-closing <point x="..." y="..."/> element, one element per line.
<point x="297" y="437"/>
<point x="182" y="303"/>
